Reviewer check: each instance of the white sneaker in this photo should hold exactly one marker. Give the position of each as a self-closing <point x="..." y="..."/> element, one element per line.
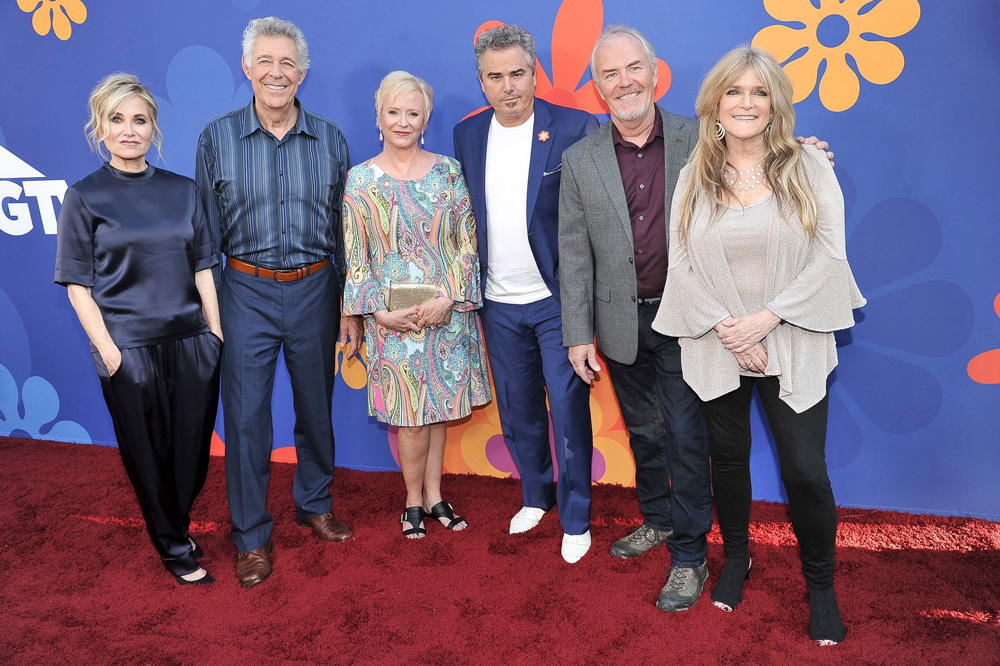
<point x="525" y="519"/>
<point x="575" y="546"/>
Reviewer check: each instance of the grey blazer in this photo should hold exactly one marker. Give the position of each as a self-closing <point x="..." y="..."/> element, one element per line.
<point x="596" y="252"/>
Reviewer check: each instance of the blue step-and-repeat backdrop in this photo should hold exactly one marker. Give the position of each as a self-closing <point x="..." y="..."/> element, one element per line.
<point x="905" y="91"/>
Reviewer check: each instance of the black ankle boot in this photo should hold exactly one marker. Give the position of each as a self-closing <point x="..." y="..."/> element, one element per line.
<point x="824" y="616"/>
<point x="728" y="589"/>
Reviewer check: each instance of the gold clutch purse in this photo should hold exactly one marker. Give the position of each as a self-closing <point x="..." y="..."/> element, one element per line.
<point x="405" y="295"/>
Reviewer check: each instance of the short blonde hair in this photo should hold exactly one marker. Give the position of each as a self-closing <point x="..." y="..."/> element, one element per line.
<point x="396" y="83"/>
<point x="108" y="95"/>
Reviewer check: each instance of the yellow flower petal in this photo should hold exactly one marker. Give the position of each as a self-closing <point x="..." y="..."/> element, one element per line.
<point x="840" y="87"/>
<point x="878" y="62"/>
<point x="28" y="5"/>
<point x="890" y="18"/>
<point x="782" y="41"/>
<point x="802" y="72"/>
<point x="793" y="10"/>
<point x="76" y="10"/>
<point x="61" y="25"/>
<point x="41" y="20"/>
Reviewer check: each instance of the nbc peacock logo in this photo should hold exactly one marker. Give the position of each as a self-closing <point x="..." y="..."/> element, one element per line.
<point x="27" y="197"/>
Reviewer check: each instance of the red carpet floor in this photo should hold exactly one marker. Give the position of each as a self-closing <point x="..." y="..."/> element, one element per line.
<point x="82" y="585"/>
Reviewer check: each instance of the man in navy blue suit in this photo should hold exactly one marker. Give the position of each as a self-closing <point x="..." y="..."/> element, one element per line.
<point x="512" y="156"/>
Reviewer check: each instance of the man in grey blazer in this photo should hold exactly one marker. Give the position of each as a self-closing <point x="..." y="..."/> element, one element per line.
<point x="613" y="219"/>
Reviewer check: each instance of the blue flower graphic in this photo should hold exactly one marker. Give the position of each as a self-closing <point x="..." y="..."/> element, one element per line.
<point x="907" y="319"/>
<point x="200" y="86"/>
<point x="41" y="406"/>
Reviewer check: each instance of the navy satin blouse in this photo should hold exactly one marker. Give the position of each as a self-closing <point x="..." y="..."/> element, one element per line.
<point x="137" y="239"/>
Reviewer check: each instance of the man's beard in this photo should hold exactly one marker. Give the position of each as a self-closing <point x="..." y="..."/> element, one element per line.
<point x="633" y="114"/>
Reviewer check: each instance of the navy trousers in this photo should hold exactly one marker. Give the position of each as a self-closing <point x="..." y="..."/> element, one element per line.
<point x="163" y="400"/>
<point x="667" y="436"/>
<point x="527" y="357"/>
<point x="259" y="318"/>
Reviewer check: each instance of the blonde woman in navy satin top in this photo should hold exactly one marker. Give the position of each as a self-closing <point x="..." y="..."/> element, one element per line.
<point x="135" y="255"/>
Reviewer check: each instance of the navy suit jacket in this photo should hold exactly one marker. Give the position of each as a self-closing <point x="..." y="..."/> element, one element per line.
<point x="564" y="127"/>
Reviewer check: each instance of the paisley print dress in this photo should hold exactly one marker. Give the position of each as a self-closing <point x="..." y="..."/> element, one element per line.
<point x="416" y="231"/>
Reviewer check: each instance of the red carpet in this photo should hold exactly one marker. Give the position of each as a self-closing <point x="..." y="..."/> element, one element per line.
<point x="82" y="584"/>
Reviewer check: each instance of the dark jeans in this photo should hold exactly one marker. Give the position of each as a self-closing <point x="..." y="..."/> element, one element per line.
<point x="667" y="436"/>
<point x="800" y="440"/>
<point x="163" y="400"/>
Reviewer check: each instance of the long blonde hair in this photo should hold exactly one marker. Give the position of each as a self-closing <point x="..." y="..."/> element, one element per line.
<point x="783" y="166"/>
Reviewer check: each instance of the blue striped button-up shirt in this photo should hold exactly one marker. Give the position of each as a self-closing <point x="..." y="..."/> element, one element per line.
<point x="272" y="203"/>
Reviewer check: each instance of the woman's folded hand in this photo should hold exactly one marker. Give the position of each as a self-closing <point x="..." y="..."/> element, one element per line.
<point x="434" y="312"/>
<point x="398" y="320"/>
<point x="739" y="334"/>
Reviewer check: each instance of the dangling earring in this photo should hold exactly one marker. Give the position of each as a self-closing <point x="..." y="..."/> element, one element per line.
<point x="767" y="130"/>
<point x="380" y="138"/>
<point x="720" y="131"/>
<point x="421" y="138"/>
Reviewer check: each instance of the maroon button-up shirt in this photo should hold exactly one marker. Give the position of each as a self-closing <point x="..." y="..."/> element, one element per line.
<point x="643" y="176"/>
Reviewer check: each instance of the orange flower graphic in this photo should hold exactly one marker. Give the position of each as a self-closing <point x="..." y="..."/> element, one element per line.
<point x="465" y="452"/>
<point x="355" y="371"/>
<point x="832" y="32"/>
<point x="470" y="438"/>
<point x="610" y="435"/>
<point x="577" y="28"/>
<point x="54" y="14"/>
<point x="985" y="367"/>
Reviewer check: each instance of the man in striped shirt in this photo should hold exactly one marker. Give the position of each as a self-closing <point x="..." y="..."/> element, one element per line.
<point x="271" y="177"/>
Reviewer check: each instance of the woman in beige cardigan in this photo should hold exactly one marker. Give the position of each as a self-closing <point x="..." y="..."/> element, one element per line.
<point x="758" y="281"/>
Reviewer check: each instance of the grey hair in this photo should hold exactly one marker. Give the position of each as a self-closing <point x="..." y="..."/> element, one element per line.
<point x="614" y="30"/>
<point x="502" y="38"/>
<point x="272" y="26"/>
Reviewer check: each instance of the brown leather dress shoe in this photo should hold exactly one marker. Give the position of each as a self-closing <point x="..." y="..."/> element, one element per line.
<point x="253" y="567"/>
<point x="327" y="527"/>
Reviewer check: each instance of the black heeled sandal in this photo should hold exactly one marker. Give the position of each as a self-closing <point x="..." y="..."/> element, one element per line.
<point x="825" y="624"/>
<point x="414" y="515"/>
<point x="728" y="591"/>
<point x="444" y="510"/>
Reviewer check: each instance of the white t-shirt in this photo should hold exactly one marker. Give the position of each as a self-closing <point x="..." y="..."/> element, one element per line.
<point x="512" y="275"/>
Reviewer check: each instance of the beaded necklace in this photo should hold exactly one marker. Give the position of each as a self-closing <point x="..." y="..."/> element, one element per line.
<point x="745" y="180"/>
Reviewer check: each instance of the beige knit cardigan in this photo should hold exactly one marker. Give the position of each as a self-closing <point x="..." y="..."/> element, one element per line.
<point x="809" y="286"/>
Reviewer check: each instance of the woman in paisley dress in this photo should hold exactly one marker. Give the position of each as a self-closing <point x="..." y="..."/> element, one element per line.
<point x="408" y="219"/>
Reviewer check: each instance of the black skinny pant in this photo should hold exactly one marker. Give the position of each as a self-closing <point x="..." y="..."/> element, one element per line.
<point x="800" y="440"/>
<point x="163" y="399"/>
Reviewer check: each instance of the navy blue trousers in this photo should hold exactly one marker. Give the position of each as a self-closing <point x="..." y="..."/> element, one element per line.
<point x="527" y="358"/>
<point x="163" y="400"/>
<point x="667" y="436"/>
<point x="261" y="317"/>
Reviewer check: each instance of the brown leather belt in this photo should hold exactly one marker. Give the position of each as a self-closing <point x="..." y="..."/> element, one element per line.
<point x="280" y="276"/>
